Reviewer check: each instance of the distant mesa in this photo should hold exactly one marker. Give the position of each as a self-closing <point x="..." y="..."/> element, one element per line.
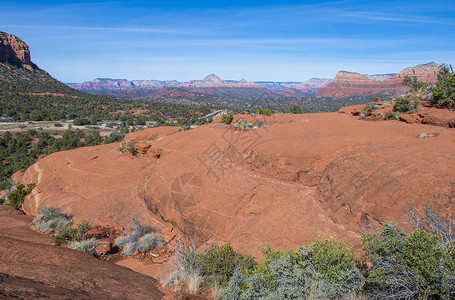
<point x="347" y="84"/>
<point x="15" y="52"/>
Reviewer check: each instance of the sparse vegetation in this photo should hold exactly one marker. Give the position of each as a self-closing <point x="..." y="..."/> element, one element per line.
<point x="369" y="109"/>
<point x="131" y="148"/>
<point x="85" y="245"/>
<point x="184" y="128"/>
<point x="416" y="264"/>
<point x="391" y="116"/>
<point x="188" y="268"/>
<point x="242" y="124"/>
<point x="142" y="238"/>
<point x="52" y="220"/>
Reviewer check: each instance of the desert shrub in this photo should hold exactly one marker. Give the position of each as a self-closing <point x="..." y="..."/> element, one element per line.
<point x="444" y="90"/>
<point x="149" y="241"/>
<point x="67" y="233"/>
<point x="295" y="109"/>
<point x="131" y="148"/>
<point x="121" y="148"/>
<point x="187" y="258"/>
<point x="184" y="128"/>
<point x="391" y="116"/>
<point x="265" y="112"/>
<point x="16" y="197"/>
<point x="70" y="234"/>
<point x="405" y="105"/>
<point x="409" y="265"/>
<point x="142" y="238"/>
<point x="227" y="119"/>
<point x="188" y="268"/>
<point x="84" y="245"/>
<point x="219" y="263"/>
<point x="321" y="269"/>
<point x="259" y="123"/>
<point x="51" y="219"/>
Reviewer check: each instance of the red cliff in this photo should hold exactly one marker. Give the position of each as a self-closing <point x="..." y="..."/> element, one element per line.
<point x="14" y="51"/>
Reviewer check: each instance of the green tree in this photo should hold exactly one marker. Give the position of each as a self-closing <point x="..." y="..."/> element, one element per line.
<point x="265" y="112"/>
<point x="227" y="118"/>
<point x="444" y="91"/>
<point x="414" y="83"/>
<point x="295" y="109"/>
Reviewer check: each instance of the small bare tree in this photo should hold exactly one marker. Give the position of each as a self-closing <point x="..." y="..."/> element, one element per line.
<point x="431" y="221"/>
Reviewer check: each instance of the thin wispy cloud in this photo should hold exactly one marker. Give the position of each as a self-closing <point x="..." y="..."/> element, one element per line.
<point x="95" y="28"/>
<point x="370" y="16"/>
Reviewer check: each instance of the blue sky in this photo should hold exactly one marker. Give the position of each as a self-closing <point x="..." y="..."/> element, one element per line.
<point x="255" y="40"/>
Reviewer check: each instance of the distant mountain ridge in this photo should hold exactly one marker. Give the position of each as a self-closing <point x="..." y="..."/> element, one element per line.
<point x="211" y="85"/>
<point x="345" y="84"/>
<point x="212" y="80"/>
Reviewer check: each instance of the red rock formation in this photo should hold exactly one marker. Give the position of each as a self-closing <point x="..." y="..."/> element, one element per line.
<point x="14" y="51"/>
<point x="324" y="174"/>
<point x="348" y="84"/>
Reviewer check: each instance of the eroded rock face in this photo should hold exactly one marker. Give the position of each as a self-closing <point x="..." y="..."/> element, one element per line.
<point x="323" y="174"/>
<point x="348" y="84"/>
<point x="14" y="51"/>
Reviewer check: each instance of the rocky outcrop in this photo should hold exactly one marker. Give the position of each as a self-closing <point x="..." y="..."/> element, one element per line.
<point x="348" y="84"/>
<point x="14" y="51"/>
<point x="286" y="183"/>
<point x="426" y="113"/>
